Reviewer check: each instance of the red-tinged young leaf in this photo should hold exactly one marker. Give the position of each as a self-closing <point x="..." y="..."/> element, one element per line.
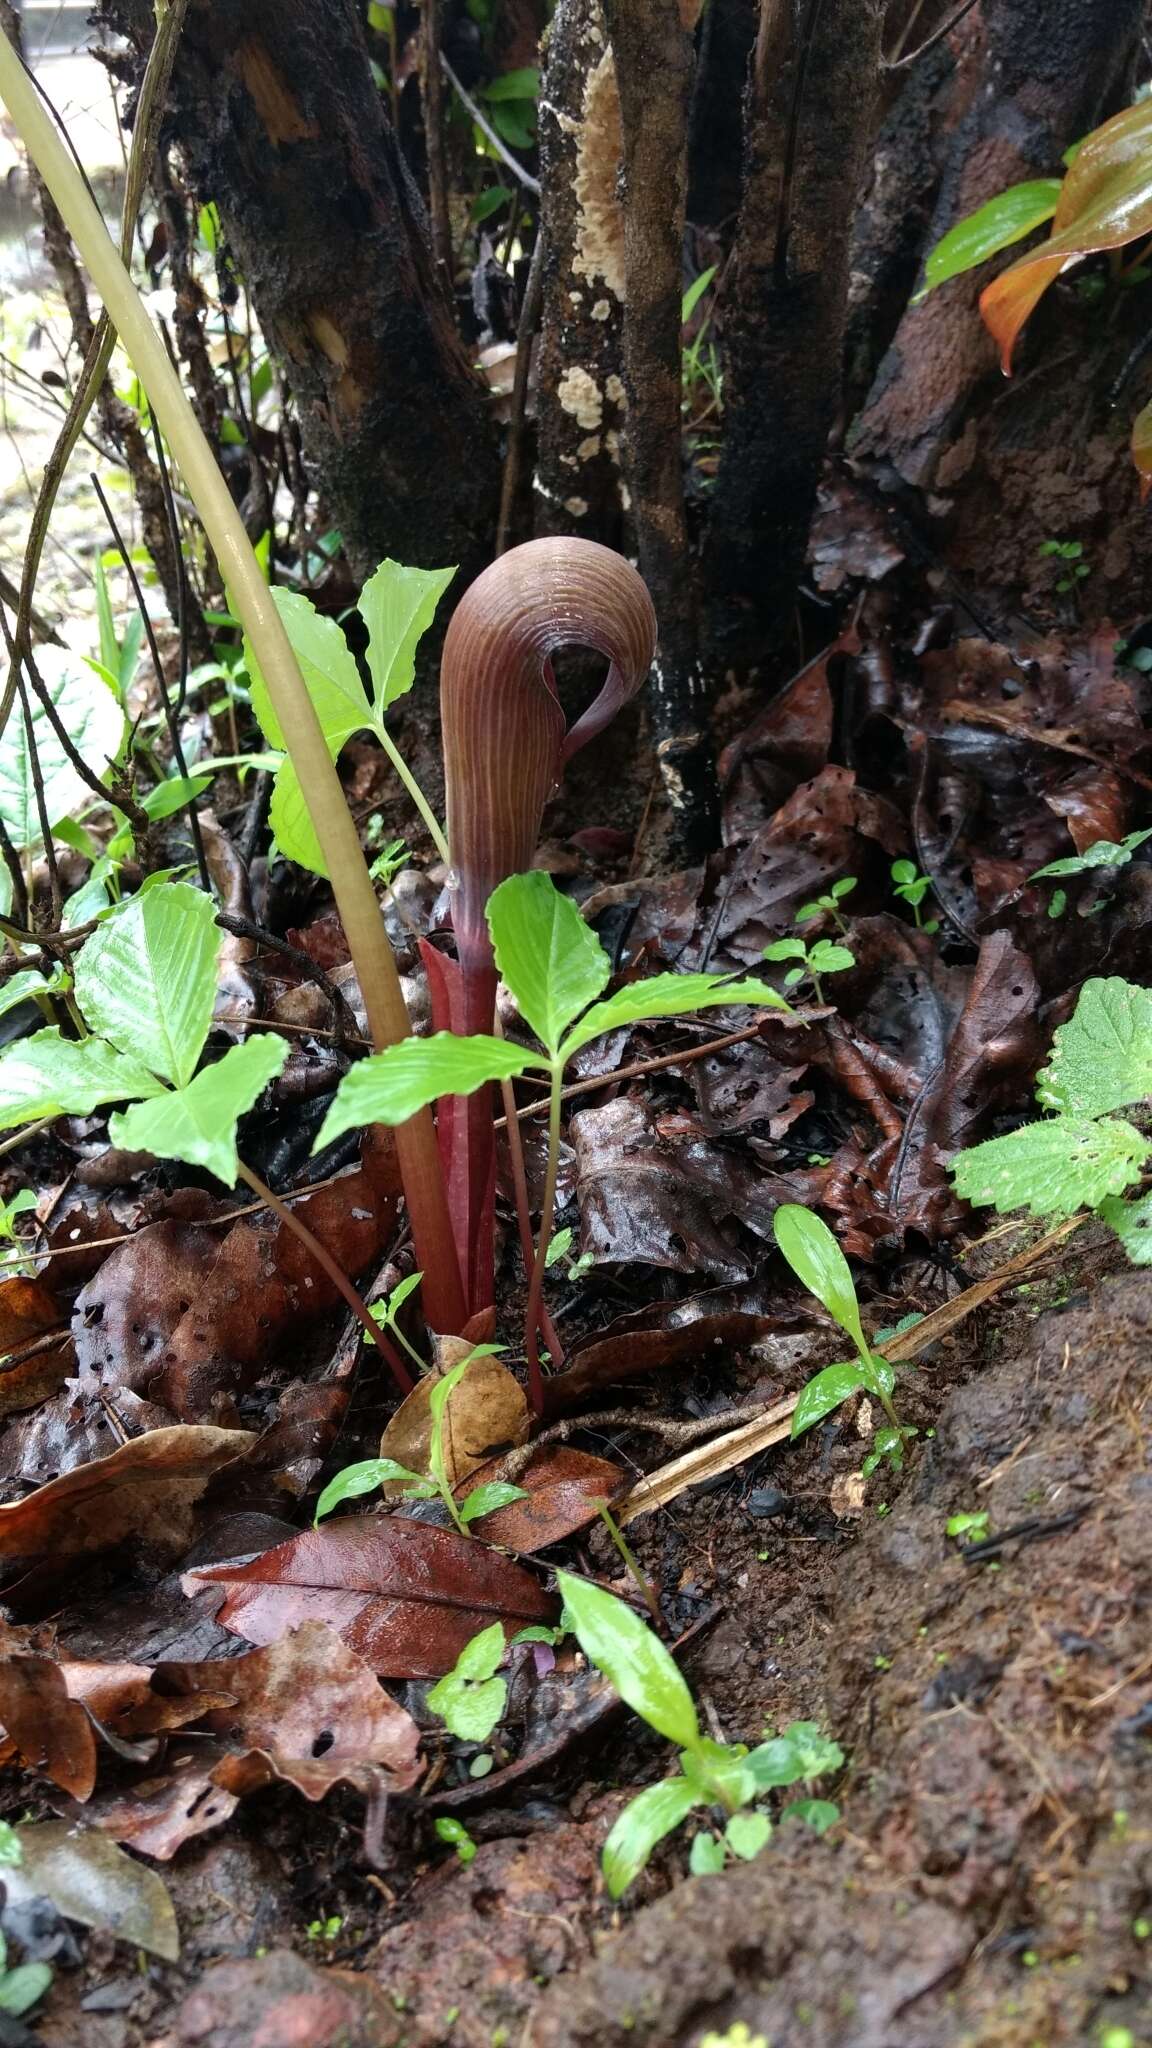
<point x="145" y="1490"/>
<point x="1106" y="202"/>
<point x="404" y="1595"/>
<point x="47" y="1730"/>
<point x="563" y="1492"/>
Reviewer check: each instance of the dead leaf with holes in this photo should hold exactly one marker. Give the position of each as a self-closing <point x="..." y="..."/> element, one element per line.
<point x="145" y="1490"/>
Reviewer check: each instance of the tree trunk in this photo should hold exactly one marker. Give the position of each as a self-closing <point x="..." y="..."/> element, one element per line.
<point x="282" y="126"/>
<point x="655" y="65"/>
<point x="1046" y="76"/>
<point x="809" y="124"/>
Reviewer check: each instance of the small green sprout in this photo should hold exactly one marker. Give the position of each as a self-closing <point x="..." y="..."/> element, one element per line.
<point x="808" y="1245"/>
<point x="447" y="1830"/>
<point x="23" y="1987"/>
<point x="370" y="1473"/>
<point x="822" y="957"/>
<point x="1070" y="552"/>
<point x="738" y="2035"/>
<point x="559" y="1251"/>
<point x="722" y="1778"/>
<point x="325" y="1930"/>
<point x="470" y="1698"/>
<point x="912" y="887"/>
<point x="386" y="1312"/>
<point x="829" y="904"/>
<point x="974" y="1525"/>
<point x="1104" y="853"/>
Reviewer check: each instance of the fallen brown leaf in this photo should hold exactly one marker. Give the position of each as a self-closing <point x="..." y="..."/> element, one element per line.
<point x="486" y="1411"/>
<point x="47" y="1730"/>
<point x="146" y="1490"/>
<point x="565" y="1489"/>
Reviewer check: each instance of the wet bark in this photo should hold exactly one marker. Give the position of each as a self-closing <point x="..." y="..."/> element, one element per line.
<point x="810" y="115"/>
<point x="580" y="394"/>
<point x="282" y="126"/>
<point x="715" y="138"/>
<point x="655" y="65"/>
<point x="1048" y="75"/>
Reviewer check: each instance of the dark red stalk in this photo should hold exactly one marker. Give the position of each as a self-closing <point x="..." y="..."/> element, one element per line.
<point x="505" y="746"/>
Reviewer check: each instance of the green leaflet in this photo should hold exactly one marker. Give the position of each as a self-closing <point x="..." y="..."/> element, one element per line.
<point x="644" y="1822"/>
<point x="391" y="1086"/>
<point x="88" y="712"/>
<point x="1053" y="1168"/>
<point x="147" y="979"/>
<point x="994" y="226"/>
<point x="824" y="1392"/>
<point x="197" y="1123"/>
<point x="27" y="982"/>
<point x="547" y="956"/>
<point x="1132" y="1222"/>
<point x="470" y="1698"/>
<point x="815" y="1257"/>
<point x="398" y="605"/>
<point x="668" y="995"/>
<point x="633" y="1658"/>
<point x="48" y="1075"/>
<point x="1102" y="1058"/>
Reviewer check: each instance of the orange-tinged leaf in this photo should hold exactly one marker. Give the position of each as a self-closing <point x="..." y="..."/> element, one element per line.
<point x="1106" y="202"/>
<point x="1142" y="448"/>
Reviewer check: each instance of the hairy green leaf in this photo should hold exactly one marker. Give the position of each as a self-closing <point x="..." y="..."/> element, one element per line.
<point x="1053" y="1168"/>
<point x="391" y="1086"/>
<point x="668" y="995"/>
<point x="1102" y="1058"/>
<point x="994" y="226"/>
<point x="644" y="1822"/>
<point x="197" y="1123"/>
<point x="1132" y="1222"/>
<point x="147" y="979"/>
<point x="550" y="960"/>
<point x="49" y="1075"/>
<point x="92" y="717"/>
<point x="824" y="1392"/>
<point x="636" y="1662"/>
<point x="398" y="605"/>
<point x="816" y="1259"/>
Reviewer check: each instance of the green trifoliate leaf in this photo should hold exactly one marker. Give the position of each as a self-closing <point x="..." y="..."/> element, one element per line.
<point x="644" y="1823"/>
<point x="995" y="226"/>
<point x="824" y="1392"/>
<point x="355" y="1480"/>
<point x="668" y="995"/>
<point x="390" y="1086"/>
<point x="1102" y="1058"/>
<point x="92" y="717"/>
<point x="49" y="1075"/>
<point x="636" y="1662"/>
<point x="198" y="1123"/>
<point x="1053" y="1168"/>
<point x="747" y="1833"/>
<point x="398" y="605"/>
<point x="147" y="979"/>
<point x="816" y="1259"/>
<point x="328" y="667"/>
<point x="547" y="956"/>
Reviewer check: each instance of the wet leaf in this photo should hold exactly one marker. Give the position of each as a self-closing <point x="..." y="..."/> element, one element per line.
<point x="816" y="1259"/>
<point x="559" y="1492"/>
<point x="1106" y="201"/>
<point x="146" y="980"/>
<point x="389" y="1087"/>
<point x="644" y="1822"/>
<point x="145" y="1490"/>
<point x="671" y="1331"/>
<point x="89" y="712"/>
<point x="485" y="1411"/>
<point x="1003" y="220"/>
<point x="669" y="995"/>
<point x="824" y="1392"/>
<point x="49" y="1731"/>
<point x="197" y="1123"/>
<point x="90" y="1880"/>
<point x="548" y="958"/>
<point x="633" y="1658"/>
<point x="50" y="1075"/>
<point x="366" y="1477"/>
<point x="405" y="1595"/>
<point x="1102" y="1058"/>
<point x="1053" y="1168"/>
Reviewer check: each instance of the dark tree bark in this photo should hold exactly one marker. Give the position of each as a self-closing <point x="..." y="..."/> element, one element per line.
<point x="715" y="137"/>
<point x="1046" y="78"/>
<point x="810" y="119"/>
<point x="580" y="394"/>
<point x="282" y="126"/>
<point x="652" y="46"/>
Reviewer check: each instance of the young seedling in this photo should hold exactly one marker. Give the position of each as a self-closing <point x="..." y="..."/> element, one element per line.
<point x="912" y="887"/>
<point x="972" y="1525"/>
<point x="24" y="1986"/>
<point x="1083" y="1156"/>
<point x="470" y="1699"/>
<point x="713" y="1775"/>
<point x="555" y="968"/>
<point x="371" y="1473"/>
<point x="1105" y="853"/>
<point x="822" y="957"/>
<point x="829" y="904"/>
<point x="386" y="1314"/>
<point x="1070" y="553"/>
<point x="559" y="1253"/>
<point x="446" y="1829"/>
<point x="808" y="1245"/>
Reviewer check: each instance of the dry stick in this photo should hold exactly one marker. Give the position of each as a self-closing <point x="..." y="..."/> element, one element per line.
<point x="898" y="63"/>
<point x="15" y="875"/>
<point x="431" y="83"/>
<point x="639" y="1068"/>
<point x="170" y="717"/>
<point x="149" y="112"/>
<point x="339" y="1279"/>
<point x="351" y="884"/>
<point x="525" y="333"/>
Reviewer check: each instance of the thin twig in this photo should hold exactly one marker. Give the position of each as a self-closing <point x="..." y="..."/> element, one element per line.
<point x="247" y="928"/>
<point x="525" y="334"/>
<point x="432" y="79"/>
<point x="37" y="774"/>
<point x="930" y="42"/>
<point x="505" y="155"/>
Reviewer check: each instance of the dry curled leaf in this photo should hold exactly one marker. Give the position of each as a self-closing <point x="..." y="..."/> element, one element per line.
<point x="145" y="1490"/>
<point x="46" y="1729"/>
<point x="485" y="1412"/>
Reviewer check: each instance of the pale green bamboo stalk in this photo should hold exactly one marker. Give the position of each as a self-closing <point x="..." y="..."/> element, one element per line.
<point x="351" y="883"/>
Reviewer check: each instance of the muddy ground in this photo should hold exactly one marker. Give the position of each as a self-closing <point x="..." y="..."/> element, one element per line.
<point x="990" y="1882"/>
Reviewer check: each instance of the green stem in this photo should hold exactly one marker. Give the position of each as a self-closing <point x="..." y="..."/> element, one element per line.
<point x="631" y="1566"/>
<point x="547" y="1216"/>
<point x="432" y="826"/>
<point x="875" y="1387"/>
<point x="390" y="1323"/>
<point x="251" y="598"/>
